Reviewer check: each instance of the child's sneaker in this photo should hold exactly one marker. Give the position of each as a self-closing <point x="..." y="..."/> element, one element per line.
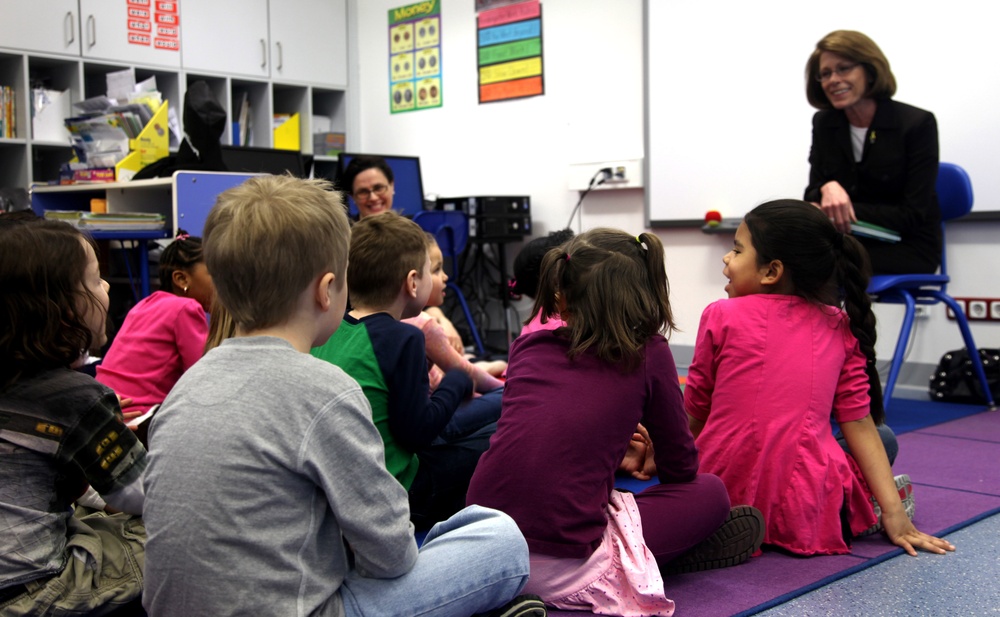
<point x="527" y="605"/>
<point x="732" y="543"/>
<point x="905" y="495"/>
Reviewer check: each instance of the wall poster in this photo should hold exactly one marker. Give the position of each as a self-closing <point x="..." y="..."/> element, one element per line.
<point x="415" y="78"/>
<point x="510" y="50"/>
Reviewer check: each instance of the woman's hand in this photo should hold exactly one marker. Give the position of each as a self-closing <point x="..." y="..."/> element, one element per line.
<point x="836" y="204"/>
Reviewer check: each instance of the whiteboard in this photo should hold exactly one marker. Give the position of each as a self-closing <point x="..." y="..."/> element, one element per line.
<point x="727" y="121"/>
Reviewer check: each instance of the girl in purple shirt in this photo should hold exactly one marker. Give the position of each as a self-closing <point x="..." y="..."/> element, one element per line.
<point x="571" y="403"/>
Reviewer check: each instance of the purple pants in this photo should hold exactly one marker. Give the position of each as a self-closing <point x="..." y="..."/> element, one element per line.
<point x="675" y="517"/>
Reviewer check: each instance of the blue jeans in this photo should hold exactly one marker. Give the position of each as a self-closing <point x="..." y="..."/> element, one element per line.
<point x="885" y="434"/>
<point x="473" y="415"/>
<point x="471" y="563"/>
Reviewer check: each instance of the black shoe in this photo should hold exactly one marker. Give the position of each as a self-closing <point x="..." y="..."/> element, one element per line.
<point x="526" y="605"/>
<point x="732" y="543"/>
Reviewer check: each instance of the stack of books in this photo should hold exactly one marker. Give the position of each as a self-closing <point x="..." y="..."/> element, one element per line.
<point x="102" y="221"/>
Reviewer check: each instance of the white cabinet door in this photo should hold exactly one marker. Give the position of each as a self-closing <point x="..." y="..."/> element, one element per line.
<point x="225" y="36"/>
<point x="24" y="24"/>
<point x="139" y="33"/>
<point x="309" y="41"/>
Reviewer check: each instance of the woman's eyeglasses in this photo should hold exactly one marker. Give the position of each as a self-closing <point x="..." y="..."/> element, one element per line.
<point x="841" y="71"/>
<point x="365" y="194"/>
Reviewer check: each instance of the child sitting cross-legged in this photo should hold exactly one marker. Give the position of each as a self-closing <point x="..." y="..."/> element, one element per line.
<point x="60" y="431"/>
<point x="573" y="398"/>
<point x="267" y="490"/>
<point x="793" y="345"/>
<point x="164" y="333"/>
<point x="484" y="407"/>
<point x="389" y="278"/>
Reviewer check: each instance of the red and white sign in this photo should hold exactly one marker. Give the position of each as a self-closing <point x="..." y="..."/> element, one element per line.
<point x="164" y="15"/>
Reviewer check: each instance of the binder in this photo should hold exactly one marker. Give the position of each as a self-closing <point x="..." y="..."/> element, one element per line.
<point x="286" y="134"/>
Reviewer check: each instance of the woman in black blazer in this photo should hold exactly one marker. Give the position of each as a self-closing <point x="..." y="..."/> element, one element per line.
<point x="872" y="158"/>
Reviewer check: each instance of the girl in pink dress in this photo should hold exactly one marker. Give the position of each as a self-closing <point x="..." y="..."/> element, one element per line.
<point x="794" y="342"/>
<point x="164" y="334"/>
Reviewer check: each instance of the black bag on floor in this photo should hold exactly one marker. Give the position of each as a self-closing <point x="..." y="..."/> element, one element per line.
<point x="955" y="381"/>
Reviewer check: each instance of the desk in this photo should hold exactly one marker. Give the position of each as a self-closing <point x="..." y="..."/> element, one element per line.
<point x="183" y="199"/>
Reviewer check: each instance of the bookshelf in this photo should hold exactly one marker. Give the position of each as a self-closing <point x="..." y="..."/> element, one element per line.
<point x="299" y="66"/>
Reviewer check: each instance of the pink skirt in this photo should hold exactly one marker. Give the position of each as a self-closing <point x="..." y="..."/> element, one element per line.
<point x="620" y="578"/>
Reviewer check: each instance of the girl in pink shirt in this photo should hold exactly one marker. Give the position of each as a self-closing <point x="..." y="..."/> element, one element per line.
<point x="164" y="333"/>
<point x="772" y="362"/>
<point x="527" y="266"/>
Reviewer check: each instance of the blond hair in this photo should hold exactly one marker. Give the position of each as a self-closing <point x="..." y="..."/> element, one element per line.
<point x="267" y="239"/>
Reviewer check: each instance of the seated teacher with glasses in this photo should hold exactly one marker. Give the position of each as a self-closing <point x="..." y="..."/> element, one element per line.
<point x="872" y="158"/>
<point x="368" y="180"/>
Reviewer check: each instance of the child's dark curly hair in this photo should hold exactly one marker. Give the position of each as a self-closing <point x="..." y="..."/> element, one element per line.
<point x="181" y="254"/>
<point x="528" y="262"/>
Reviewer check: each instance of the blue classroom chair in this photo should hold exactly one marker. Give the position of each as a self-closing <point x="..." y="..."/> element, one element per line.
<point x="954" y="191"/>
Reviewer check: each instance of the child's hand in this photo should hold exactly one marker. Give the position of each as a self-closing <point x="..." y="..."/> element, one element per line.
<point x="132" y="415"/>
<point x="635" y="458"/>
<point x="449" y="328"/>
<point x="495" y="368"/>
<point x="638" y="460"/>
<point x="902" y="533"/>
<point x="123" y="402"/>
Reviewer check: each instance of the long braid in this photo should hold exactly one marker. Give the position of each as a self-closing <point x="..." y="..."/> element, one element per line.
<point x="854" y="273"/>
<point x="825" y="266"/>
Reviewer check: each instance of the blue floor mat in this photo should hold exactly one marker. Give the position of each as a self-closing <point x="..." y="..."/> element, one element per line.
<point x="905" y="415"/>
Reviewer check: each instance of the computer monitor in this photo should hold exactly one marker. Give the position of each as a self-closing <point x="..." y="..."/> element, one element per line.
<point x="264" y="160"/>
<point x="408" y="197"/>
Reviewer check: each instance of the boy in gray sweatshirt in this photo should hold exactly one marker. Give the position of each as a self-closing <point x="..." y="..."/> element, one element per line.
<point x="266" y="490"/>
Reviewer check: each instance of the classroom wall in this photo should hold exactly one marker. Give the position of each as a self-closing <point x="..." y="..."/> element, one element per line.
<point x="592" y="110"/>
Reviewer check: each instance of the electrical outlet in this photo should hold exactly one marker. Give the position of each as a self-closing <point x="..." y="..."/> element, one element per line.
<point x="624" y="175"/>
<point x="961" y="306"/>
<point x="995" y="310"/>
<point x="922" y="310"/>
<point x="977" y="310"/>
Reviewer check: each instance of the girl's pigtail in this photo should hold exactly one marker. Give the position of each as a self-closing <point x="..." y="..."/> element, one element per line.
<point x="651" y="246"/>
<point x="854" y="273"/>
<point x="550" y="274"/>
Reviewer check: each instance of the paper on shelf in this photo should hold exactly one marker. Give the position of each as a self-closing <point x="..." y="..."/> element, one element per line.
<point x="50" y="108"/>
